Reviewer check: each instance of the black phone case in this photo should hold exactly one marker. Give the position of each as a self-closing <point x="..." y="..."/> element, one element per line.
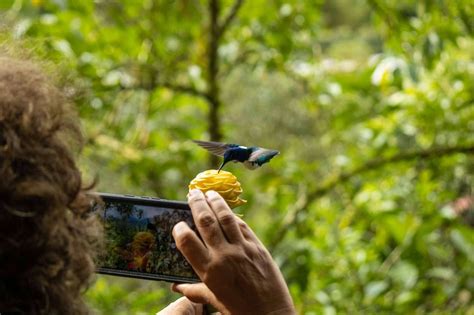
<point x="147" y="201"/>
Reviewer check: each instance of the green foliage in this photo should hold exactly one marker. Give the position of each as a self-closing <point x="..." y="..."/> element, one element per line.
<point x="370" y="103"/>
<point x="112" y="295"/>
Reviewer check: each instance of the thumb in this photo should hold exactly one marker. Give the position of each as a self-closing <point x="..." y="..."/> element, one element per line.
<point x="195" y="292"/>
<point x="199" y="293"/>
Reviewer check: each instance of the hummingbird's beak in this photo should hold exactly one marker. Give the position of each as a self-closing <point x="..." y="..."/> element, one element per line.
<point x="222" y="165"/>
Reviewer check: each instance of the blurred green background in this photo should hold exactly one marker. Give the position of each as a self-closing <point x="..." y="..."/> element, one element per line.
<point x="368" y="209"/>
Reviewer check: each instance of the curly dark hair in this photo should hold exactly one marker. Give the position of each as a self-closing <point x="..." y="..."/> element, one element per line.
<point x="48" y="241"/>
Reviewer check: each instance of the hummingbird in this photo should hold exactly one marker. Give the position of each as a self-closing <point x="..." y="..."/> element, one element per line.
<point x="251" y="157"/>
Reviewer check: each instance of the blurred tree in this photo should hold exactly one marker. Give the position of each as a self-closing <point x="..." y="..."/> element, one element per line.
<point x="370" y="103"/>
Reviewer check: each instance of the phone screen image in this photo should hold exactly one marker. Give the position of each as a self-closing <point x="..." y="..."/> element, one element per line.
<point x="139" y="241"/>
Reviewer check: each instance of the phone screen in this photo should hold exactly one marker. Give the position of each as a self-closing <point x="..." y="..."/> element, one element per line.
<point x="139" y="241"/>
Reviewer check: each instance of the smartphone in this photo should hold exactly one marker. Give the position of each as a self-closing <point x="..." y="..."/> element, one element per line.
<point x="138" y="239"/>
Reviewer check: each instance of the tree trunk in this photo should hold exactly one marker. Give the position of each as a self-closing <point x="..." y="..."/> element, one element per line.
<point x="214" y="124"/>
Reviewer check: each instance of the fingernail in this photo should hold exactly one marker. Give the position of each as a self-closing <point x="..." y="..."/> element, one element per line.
<point x="195" y="192"/>
<point x="212" y="193"/>
<point x="179" y="228"/>
<point x="175" y="287"/>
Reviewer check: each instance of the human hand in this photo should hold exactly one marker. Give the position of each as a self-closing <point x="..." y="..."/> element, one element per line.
<point x="182" y="306"/>
<point x="238" y="273"/>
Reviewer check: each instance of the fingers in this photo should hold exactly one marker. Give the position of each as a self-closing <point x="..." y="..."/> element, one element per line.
<point x="182" y="306"/>
<point x="191" y="247"/>
<point x="205" y="219"/>
<point x="225" y="216"/>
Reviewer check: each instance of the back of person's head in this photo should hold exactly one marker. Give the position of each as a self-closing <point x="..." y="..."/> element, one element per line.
<point x="47" y="240"/>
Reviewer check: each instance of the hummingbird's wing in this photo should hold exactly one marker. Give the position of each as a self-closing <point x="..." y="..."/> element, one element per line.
<point x="217" y="148"/>
<point x="262" y="156"/>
